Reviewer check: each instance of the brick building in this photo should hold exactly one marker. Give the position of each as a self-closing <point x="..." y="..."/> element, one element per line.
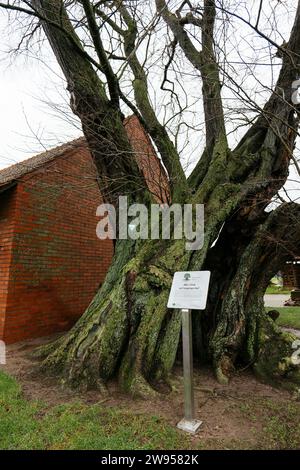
<point x="291" y="274"/>
<point x="51" y="261"/>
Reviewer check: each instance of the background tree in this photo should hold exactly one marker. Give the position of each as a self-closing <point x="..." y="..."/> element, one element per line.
<point x="109" y="52"/>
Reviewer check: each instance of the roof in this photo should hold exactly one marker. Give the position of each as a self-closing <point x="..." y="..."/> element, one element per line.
<point x="136" y="134"/>
<point x="9" y="175"/>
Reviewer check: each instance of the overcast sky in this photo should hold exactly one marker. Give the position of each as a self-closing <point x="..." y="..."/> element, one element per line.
<point x="27" y="122"/>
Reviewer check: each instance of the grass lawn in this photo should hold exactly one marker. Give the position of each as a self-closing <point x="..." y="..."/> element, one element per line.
<point x="32" y="425"/>
<point x="277" y="290"/>
<point x="289" y="316"/>
<point x="258" y="422"/>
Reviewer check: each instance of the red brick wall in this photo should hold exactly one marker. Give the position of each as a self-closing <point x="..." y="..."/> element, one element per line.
<point x="7" y="209"/>
<point x="58" y="262"/>
<point x="154" y="173"/>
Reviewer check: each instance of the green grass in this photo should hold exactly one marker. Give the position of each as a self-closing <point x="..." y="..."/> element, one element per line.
<point x="272" y="289"/>
<point x="280" y="423"/>
<point x="264" y="424"/>
<point x="31" y="425"/>
<point x="289" y="316"/>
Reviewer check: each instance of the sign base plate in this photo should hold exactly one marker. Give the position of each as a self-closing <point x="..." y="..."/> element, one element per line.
<point x="189" y="425"/>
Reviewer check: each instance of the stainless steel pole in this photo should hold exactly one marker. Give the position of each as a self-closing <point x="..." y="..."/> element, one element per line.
<point x="189" y="422"/>
<point x="187" y="347"/>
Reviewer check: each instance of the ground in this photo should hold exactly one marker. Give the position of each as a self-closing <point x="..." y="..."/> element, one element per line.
<point x="272" y="289"/>
<point x="289" y="317"/>
<point x="36" y="413"/>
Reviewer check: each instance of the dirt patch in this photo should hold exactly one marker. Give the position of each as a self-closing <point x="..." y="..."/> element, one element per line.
<point x="236" y="415"/>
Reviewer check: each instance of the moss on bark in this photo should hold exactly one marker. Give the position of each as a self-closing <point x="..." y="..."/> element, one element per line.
<point x="274" y="362"/>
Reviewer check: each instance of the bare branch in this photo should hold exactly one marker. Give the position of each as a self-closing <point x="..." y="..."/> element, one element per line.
<point x="106" y="67"/>
<point x="156" y="130"/>
<point x="205" y="62"/>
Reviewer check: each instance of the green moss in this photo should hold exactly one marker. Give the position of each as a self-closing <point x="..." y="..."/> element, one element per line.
<point x="159" y="277"/>
<point x="274" y="362"/>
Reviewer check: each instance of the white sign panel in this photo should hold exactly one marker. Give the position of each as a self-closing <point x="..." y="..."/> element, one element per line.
<point x="189" y="290"/>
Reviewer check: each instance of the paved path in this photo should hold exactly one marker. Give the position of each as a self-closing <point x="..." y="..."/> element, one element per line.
<point x="275" y="300"/>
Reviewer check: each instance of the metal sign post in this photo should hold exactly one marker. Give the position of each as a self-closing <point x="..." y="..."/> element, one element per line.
<point x="189" y="291"/>
<point x="189" y="423"/>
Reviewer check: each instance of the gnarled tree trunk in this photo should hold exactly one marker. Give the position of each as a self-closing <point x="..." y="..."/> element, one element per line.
<point x="127" y="330"/>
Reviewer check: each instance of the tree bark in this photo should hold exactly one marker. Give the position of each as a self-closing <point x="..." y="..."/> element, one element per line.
<point x="127" y="331"/>
<point x="100" y="115"/>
